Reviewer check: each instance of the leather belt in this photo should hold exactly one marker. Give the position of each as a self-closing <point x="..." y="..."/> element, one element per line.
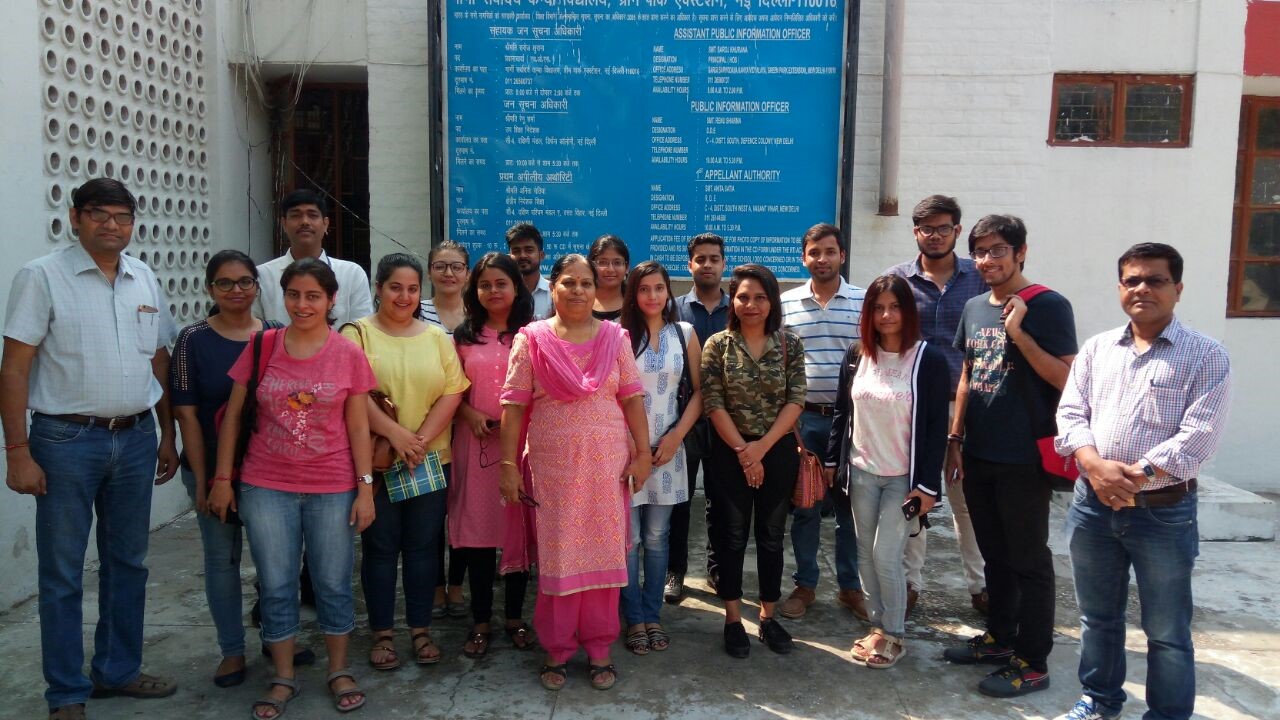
<point x="123" y="422"/>
<point x="1165" y="496"/>
<point x="823" y="410"/>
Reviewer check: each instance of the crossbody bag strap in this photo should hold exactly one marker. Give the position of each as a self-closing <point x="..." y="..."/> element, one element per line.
<point x="1024" y="370"/>
<point x="685" y="376"/>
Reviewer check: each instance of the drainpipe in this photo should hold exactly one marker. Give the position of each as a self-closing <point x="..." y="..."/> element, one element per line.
<point x="895" y="12"/>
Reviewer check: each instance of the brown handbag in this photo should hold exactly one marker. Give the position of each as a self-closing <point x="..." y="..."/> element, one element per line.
<point x="811" y="486"/>
<point x="384" y="455"/>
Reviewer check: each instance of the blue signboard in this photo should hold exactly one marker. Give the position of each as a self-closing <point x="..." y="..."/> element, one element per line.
<point x="654" y="120"/>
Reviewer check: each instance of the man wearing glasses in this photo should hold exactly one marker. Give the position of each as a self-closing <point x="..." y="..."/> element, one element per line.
<point x="86" y="335"/>
<point x="1016" y="357"/>
<point x="304" y="220"/>
<point x="1142" y="411"/>
<point x="942" y="283"/>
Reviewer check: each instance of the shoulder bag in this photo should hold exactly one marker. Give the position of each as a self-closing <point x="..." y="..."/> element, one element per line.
<point x="384" y="455"/>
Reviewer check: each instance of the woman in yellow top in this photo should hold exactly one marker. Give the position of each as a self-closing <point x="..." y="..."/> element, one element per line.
<point x="417" y="367"/>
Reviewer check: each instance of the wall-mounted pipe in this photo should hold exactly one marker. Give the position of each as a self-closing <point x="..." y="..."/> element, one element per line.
<point x="895" y="12"/>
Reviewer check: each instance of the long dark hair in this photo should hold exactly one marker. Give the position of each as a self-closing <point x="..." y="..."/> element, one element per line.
<point x="766" y="278"/>
<point x="901" y="291"/>
<point x="388" y="265"/>
<point x="317" y="269"/>
<point x="468" y="333"/>
<point x="633" y="319"/>
<point x="225" y="257"/>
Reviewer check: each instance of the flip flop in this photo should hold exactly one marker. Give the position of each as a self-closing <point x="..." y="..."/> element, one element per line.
<point x="521" y="633"/>
<point x="480" y="641"/>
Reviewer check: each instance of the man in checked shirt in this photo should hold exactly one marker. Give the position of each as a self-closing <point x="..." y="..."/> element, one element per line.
<point x="1142" y="410"/>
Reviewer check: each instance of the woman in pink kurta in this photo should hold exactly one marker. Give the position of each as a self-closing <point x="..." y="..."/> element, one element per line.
<point x="573" y="381"/>
<point x="497" y="305"/>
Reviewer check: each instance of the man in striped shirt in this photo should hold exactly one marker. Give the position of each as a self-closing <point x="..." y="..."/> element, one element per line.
<point x="1142" y="411"/>
<point x="825" y="313"/>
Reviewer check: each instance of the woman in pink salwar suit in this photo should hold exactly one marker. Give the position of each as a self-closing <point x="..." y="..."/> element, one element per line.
<point x="575" y="378"/>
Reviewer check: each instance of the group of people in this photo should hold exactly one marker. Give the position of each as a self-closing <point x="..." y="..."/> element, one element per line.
<point x="512" y="422"/>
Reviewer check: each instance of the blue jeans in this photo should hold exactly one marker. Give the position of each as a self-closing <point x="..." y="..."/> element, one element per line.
<point x="223" y="545"/>
<point x="92" y="470"/>
<point x="409" y="530"/>
<point x="650" y="527"/>
<point x="279" y="524"/>
<point x="806" y="525"/>
<point x="1161" y="544"/>
<point x="882" y="537"/>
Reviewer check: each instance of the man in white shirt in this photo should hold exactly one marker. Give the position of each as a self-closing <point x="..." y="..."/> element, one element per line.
<point x="524" y="245"/>
<point x="304" y="218"/>
<point x="86" y="341"/>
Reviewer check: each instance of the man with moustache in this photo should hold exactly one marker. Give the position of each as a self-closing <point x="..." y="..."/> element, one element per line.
<point x="304" y="219"/>
<point x="706" y="307"/>
<point x="825" y="313"/>
<point x="1017" y="356"/>
<point x="942" y="282"/>
<point x="86" y="351"/>
<point x="524" y="245"/>
<point x="1143" y="410"/>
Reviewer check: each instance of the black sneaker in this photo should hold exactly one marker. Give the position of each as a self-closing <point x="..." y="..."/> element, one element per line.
<point x="1016" y="678"/>
<point x="775" y="636"/>
<point x="736" y="642"/>
<point x="980" y="649"/>
<point x="673" y="590"/>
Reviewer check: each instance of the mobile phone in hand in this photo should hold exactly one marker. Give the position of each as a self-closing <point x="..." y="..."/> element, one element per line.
<point x="911" y="508"/>
<point x="492" y="424"/>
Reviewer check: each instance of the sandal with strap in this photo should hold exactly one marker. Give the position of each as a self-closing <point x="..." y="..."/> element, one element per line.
<point x="338" y="695"/>
<point x="638" y="642"/>
<point x="521" y="637"/>
<point x="886" y="654"/>
<point x="865" y="646"/>
<point x="426" y="642"/>
<point x="561" y="670"/>
<point x="659" y="640"/>
<point x="144" y="686"/>
<point x="384" y="643"/>
<point x="268" y="702"/>
<point x="479" y="643"/>
<point x="595" y="671"/>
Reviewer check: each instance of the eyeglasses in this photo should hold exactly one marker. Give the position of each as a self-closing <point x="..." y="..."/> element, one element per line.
<point x="615" y="264"/>
<point x="456" y="268"/>
<point x="1154" y="282"/>
<point x="98" y="215"/>
<point x="942" y="231"/>
<point x="244" y="283"/>
<point x="995" y="252"/>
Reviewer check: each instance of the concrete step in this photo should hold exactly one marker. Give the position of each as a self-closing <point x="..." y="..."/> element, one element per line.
<point x="1230" y="513"/>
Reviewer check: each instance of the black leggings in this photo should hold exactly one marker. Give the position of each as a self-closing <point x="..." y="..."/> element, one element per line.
<point x="481" y="564"/>
<point x="736" y="508"/>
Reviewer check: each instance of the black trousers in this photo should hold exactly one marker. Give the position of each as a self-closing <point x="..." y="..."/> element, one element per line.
<point x="481" y="566"/>
<point x="736" y="508"/>
<point x="1009" y="507"/>
<point x="678" y="540"/>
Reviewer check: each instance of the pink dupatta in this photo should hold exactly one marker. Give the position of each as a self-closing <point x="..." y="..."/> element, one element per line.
<point x="554" y="366"/>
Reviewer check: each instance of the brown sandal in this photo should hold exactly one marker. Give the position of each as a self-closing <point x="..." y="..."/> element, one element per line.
<point x="521" y="637"/>
<point x="422" y="641"/>
<point x="864" y="647"/>
<point x="384" y="643"/>
<point x="144" y="686"/>
<point x="478" y="644"/>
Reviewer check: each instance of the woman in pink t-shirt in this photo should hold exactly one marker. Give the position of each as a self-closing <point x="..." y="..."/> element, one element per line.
<point x="888" y="437"/>
<point x="305" y="479"/>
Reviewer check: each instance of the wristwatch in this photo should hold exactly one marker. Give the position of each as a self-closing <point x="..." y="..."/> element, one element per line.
<point x="366" y="479"/>
<point x="1149" y="471"/>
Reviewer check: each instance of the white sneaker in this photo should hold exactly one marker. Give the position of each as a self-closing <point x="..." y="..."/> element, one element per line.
<point x="1084" y="710"/>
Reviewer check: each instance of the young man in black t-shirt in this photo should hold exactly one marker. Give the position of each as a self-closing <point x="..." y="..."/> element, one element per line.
<point x="1017" y="356"/>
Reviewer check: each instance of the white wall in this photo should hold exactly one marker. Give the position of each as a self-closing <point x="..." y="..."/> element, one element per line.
<point x="976" y="104"/>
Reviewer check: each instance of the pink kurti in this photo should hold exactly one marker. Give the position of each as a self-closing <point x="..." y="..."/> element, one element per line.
<point x="577" y="454"/>
<point x="477" y="517"/>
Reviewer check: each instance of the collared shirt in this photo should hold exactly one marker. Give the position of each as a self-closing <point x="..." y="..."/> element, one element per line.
<point x="542" y="299"/>
<point x="1166" y="406"/>
<point x="705" y="322"/>
<point x="95" y="339"/>
<point x="752" y="391"/>
<point x="826" y="333"/>
<point x="353" y="302"/>
<point x="940" y="310"/>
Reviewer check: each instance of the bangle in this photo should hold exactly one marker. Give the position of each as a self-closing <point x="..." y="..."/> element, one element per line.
<point x="220" y="478"/>
<point x="15" y="446"/>
<point x="953" y="437"/>
<point x="512" y="463"/>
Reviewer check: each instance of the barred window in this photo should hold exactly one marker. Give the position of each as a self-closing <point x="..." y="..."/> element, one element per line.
<point x="1109" y="110"/>
<point x="1254" y="289"/>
